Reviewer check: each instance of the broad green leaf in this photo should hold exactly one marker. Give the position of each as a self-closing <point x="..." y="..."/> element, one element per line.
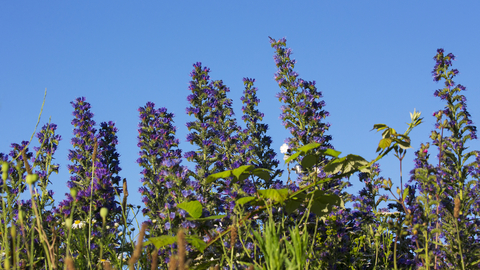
<point x="219" y="175"/>
<point x="309" y="161"/>
<point x="294" y="202"/>
<point x="292" y="205"/>
<point x="379" y="127"/>
<point x="334" y="166"/>
<point x="331" y="152"/>
<point x="309" y="146"/>
<point x="194" y="208"/>
<point x="278" y="195"/>
<point x="207" y="218"/>
<point x="196" y="242"/>
<point x="161" y="241"/>
<point x="405" y="193"/>
<point x="403" y="144"/>
<point x="320" y="209"/>
<point x="292" y="157"/>
<point x="384" y="143"/>
<point x="239" y="171"/>
<point x="262" y="173"/>
<point x="244" y="200"/>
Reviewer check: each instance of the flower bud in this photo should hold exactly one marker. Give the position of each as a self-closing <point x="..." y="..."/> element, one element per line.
<point x="398" y="190"/>
<point x="21" y="214"/>
<point x="103" y="212"/>
<point x="32" y="178"/>
<point x="4" y="171"/>
<point x="68" y="222"/>
<point x="74" y="192"/>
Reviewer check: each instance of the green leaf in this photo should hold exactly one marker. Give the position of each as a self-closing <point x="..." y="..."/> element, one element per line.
<point x="278" y="195"/>
<point x="215" y="176"/>
<point x="161" y="241"/>
<point x="309" y="160"/>
<point x="405" y="193"/>
<point x="324" y="203"/>
<point x="384" y="143"/>
<point x="309" y="146"/>
<point x="379" y="127"/>
<point x="239" y="171"/>
<point x="292" y="157"/>
<point x="196" y="242"/>
<point x="403" y="144"/>
<point x="262" y="173"/>
<point x="294" y="202"/>
<point x="292" y="205"/>
<point x="320" y="209"/>
<point x="207" y="218"/>
<point x="244" y="200"/>
<point x="331" y="152"/>
<point x="334" y="166"/>
<point x="194" y="208"/>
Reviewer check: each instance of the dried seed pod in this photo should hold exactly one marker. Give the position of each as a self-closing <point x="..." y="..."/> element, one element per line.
<point x="233" y="236"/>
<point x="456" y="210"/>
<point x="95" y="148"/>
<point x="25" y="161"/>
<point x="181" y="249"/>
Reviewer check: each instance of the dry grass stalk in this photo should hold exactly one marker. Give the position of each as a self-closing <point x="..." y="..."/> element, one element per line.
<point x="154" y="259"/>
<point x="25" y="161"/>
<point x="95" y="148"/>
<point x="233" y="236"/>
<point x="181" y="249"/>
<point x="173" y="263"/>
<point x="69" y="263"/>
<point x="138" y="247"/>
<point x="124" y="202"/>
<point x="106" y="265"/>
<point x="456" y="210"/>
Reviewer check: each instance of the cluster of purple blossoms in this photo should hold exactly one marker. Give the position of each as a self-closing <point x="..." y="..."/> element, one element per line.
<point x="443" y="186"/>
<point x="94" y="155"/>
<point x="303" y="111"/>
<point x="216" y="135"/>
<point x="13" y="183"/>
<point x="255" y="148"/>
<point x="165" y="181"/>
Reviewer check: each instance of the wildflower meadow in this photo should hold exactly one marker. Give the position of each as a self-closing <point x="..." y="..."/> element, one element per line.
<point x="234" y="208"/>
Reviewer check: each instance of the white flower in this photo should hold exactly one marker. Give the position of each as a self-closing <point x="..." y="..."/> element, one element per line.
<point x="285" y="157"/>
<point x="284" y="148"/>
<point x="298" y="168"/>
<point x="78" y="224"/>
<point x="116" y="225"/>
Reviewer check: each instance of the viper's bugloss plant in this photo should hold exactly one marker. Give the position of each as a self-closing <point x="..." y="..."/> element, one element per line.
<point x="96" y="183"/>
<point x="444" y="213"/>
<point x="164" y="182"/>
<point x="215" y="136"/>
<point x="231" y="210"/>
<point x="255" y="148"/>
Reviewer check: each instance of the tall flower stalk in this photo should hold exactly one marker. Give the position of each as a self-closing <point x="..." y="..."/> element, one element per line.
<point x="443" y="210"/>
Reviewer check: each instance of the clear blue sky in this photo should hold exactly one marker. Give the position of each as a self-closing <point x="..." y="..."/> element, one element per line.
<point x="371" y="59"/>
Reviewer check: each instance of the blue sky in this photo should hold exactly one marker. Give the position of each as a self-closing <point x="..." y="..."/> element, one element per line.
<point x="371" y="59"/>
